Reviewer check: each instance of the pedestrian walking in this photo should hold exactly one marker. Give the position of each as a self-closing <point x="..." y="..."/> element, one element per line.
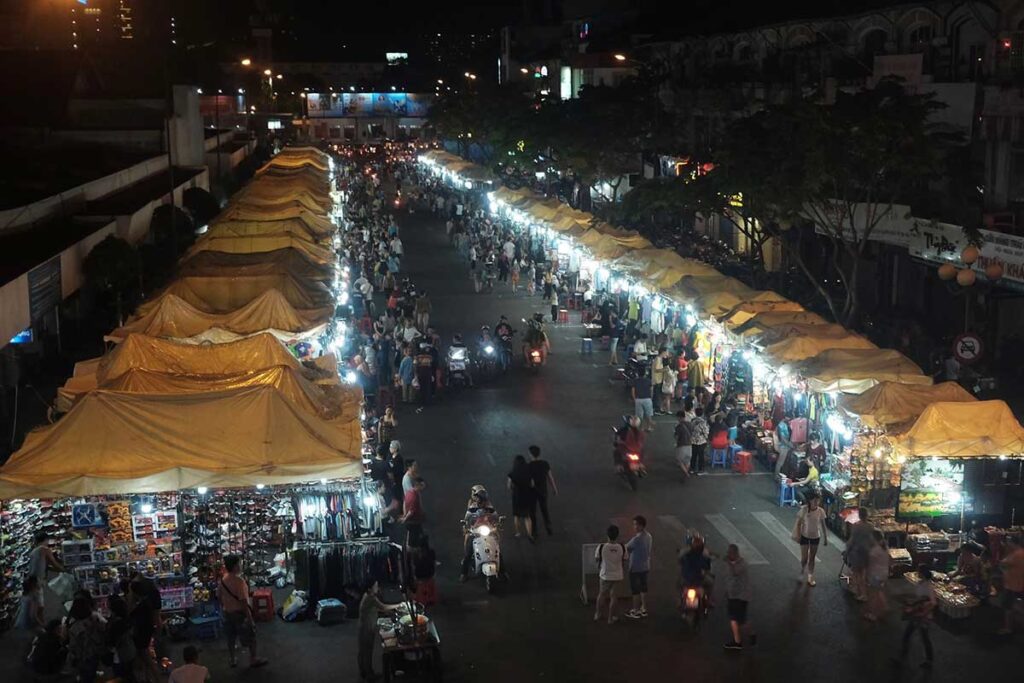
<point x="684" y="442"/>
<point x="520" y="486"/>
<point x="809" y="530"/>
<point x="737" y="594"/>
<point x="642" y="402"/>
<point x="407" y="374"/>
<point x="877" y="576"/>
<point x="611" y="560"/>
<point x="542" y="478"/>
<point x="1013" y="582"/>
<point x="370" y="607"/>
<point x="670" y="379"/>
<point x="857" y="549"/>
<point x="413" y="515"/>
<point x="638" y="550"/>
<point x="531" y="279"/>
<point x="239" y="621"/>
<point x="699" y="432"/>
<point x="424" y="566"/>
<point x="514" y="275"/>
<point x="917" y="612"/>
<point x="553" y="299"/>
<point x="423" y="310"/>
<point x="616" y="330"/>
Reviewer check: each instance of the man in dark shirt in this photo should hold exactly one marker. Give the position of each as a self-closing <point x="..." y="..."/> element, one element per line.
<point x="540" y="473"/>
<point x="642" y="401"/>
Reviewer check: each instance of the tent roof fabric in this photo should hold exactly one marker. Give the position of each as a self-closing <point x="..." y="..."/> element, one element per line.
<point x="212" y="294"/>
<point x="288" y="226"/>
<point x="113" y="442"/>
<point x="799" y="348"/>
<point x="855" y="371"/>
<point x="891" y="403"/>
<point x="270" y="206"/>
<point x="171" y="316"/>
<point x="963" y="430"/>
<point x="316" y="226"/>
<point x="223" y="264"/>
<point x="261" y="244"/>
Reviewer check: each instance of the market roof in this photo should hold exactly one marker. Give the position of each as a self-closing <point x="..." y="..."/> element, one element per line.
<point x="892" y="403"/>
<point x="963" y="430"/>
<point x="854" y="371"/>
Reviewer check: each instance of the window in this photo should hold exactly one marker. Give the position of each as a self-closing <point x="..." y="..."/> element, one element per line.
<point x="920" y="37"/>
<point x="874" y="42"/>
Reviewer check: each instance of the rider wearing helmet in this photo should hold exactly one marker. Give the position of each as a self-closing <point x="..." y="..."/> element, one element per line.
<point x="629" y="439"/>
<point x="695" y="566"/>
<point x="458" y="351"/>
<point x="536" y="338"/>
<point x="479" y="511"/>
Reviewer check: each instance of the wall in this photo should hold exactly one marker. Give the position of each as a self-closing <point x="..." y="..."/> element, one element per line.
<point x="186" y="127"/>
<point x="134" y="227"/>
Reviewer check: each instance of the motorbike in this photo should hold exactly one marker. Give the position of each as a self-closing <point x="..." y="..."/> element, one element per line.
<point x="486" y="552"/>
<point x="694" y="605"/>
<point x="458" y="357"/>
<point x="535" y="358"/>
<point x="506" y="349"/>
<point x="487" y="360"/>
<point x="629" y="464"/>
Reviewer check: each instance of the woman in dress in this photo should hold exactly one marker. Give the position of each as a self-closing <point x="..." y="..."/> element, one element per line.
<point x="520" y="485"/>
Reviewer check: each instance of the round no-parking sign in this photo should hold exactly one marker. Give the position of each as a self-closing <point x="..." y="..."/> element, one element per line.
<point x="967" y="347"/>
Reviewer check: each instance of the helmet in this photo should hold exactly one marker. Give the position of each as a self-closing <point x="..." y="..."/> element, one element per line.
<point x="696" y="539"/>
<point x="485" y="328"/>
<point x="634" y="421"/>
<point x="478" y="492"/>
<point x="457" y="338"/>
<point x="539" y="317"/>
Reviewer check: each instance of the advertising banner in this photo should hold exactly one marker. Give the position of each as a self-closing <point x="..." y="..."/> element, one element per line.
<point x="322" y="105"/>
<point x="942" y="243"/>
<point x="931" y="487"/>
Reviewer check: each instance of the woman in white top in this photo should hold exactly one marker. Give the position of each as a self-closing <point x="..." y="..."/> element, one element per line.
<point x="809" y="531"/>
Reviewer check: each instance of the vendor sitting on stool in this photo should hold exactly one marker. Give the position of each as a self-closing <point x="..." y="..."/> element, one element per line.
<point x="806" y="483"/>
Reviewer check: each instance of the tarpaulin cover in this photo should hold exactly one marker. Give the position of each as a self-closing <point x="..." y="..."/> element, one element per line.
<point x="114" y="442"/>
<point x="714" y="294"/>
<point x="242" y="201"/>
<point x="172" y="316"/>
<point x="316" y="225"/>
<point x="746" y="310"/>
<point x="293" y="161"/>
<point x="212" y="294"/>
<point x="891" y="403"/>
<point x="854" y="371"/>
<point x="288" y="226"/>
<point x="222" y="264"/>
<point x="963" y="430"/>
<point x="798" y="348"/>
<point x="776" y="333"/>
<point x="770" y="323"/>
<point x="259" y="244"/>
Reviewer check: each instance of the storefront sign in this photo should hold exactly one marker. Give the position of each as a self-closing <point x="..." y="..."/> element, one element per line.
<point x="931" y="487"/>
<point x="942" y="243"/>
<point x="967" y="347"/>
<point x="44" y="288"/>
<point x="368" y="104"/>
<point x="889" y="224"/>
<point x="85" y="515"/>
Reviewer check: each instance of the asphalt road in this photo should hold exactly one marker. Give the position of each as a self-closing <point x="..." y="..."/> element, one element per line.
<point x="536" y="628"/>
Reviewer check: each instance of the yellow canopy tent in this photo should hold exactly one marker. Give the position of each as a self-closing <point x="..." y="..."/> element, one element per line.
<point x="172" y="316"/>
<point x="114" y="442"/>
<point x="261" y="244"/>
<point x="854" y="371"/>
<point x="799" y="348"/>
<point x="714" y="294"/>
<point x="776" y="333"/>
<point x="962" y="430"/>
<point x="287" y="226"/>
<point x="291" y="261"/>
<point x="779" y="321"/>
<point x="212" y="294"/>
<point x="891" y="403"/>
<point x="273" y="206"/>
<point x="746" y="310"/>
<point x="315" y="224"/>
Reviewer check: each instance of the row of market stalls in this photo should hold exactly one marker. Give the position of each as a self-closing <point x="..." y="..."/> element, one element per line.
<point x="876" y="415"/>
<point x="216" y="422"/>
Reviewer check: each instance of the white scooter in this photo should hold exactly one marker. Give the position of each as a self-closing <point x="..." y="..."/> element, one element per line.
<point x="486" y="547"/>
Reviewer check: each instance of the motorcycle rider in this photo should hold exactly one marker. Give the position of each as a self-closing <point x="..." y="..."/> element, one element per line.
<point x="503" y="331"/>
<point x="479" y="511"/>
<point x="536" y="338"/>
<point x="628" y="439"/>
<point x="457" y="343"/>
<point x="695" y="568"/>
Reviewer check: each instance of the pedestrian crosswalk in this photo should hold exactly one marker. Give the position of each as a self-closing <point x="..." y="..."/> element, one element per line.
<point x="757" y="534"/>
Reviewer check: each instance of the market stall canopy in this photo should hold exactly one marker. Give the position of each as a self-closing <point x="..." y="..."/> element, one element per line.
<point x="114" y="443"/>
<point x="291" y="161"/>
<point x="799" y="348"/>
<point x="891" y="403"/>
<point x="172" y="316"/>
<point x="746" y="310"/>
<point x="213" y="294"/>
<point x="713" y="294"/>
<point x="854" y="371"/>
<point x="287" y="226"/>
<point x="260" y="244"/>
<point x="777" y="332"/>
<point x="963" y="430"/>
<point x="315" y="225"/>
<point x="273" y="206"/>
<point x="222" y="264"/>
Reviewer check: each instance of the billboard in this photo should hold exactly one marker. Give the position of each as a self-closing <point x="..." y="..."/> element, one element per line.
<point x="368" y="104"/>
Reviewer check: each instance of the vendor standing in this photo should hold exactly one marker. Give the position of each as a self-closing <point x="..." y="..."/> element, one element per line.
<point x="369" y="610"/>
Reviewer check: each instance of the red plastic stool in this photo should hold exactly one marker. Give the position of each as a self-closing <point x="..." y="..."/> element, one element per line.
<point x="742" y="462"/>
<point x="563" y="315"/>
<point x="263" y="604"/>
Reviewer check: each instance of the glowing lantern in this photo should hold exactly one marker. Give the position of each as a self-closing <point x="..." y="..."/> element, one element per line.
<point x="966" y="277"/>
<point x="969" y="255"/>
<point x="994" y="271"/>
<point x="947" y="271"/>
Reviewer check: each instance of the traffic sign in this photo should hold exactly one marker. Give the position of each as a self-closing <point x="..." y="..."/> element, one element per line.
<point x="967" y="347"/>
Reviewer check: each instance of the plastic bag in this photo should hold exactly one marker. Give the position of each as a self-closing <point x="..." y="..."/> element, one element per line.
<point x="63" y="585"/>
<point x="294" y="605"/>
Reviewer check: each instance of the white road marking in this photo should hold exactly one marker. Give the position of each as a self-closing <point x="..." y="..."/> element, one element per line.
<point x="734" y="535"/>
<point x="779" y="531"/>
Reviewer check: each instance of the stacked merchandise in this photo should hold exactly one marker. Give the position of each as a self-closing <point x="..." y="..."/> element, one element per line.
<point x="953" y="598"/>
<point x="20" y="520"/>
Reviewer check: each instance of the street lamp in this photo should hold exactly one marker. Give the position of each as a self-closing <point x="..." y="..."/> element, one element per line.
<point x="246" y="62"/>
<point x="620" y="57"/>
<point x="524" y="70"/>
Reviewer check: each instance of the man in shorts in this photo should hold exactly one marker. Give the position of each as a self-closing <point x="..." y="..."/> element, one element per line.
<point x="684" y="441"/>
<point x="737" y="592"/>
<point x="643" y="400"/>
<point x="639" y="551"/>
<point x="611" y="558"/>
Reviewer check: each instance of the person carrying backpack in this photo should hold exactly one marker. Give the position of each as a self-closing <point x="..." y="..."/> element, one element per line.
<point x="611" y="559"/>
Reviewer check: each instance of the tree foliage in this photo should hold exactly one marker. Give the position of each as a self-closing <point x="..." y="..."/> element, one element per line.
<point x="111" y="268"/>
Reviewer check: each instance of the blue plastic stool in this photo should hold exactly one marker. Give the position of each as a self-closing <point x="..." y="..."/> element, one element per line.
<point x="719" y="458"/>
<point x="206" y="628"/>
<point x="787" y="494"/>
<point x="733" y="433"/>
<point x="586" y="345"/>
<point x="734" y="448"/>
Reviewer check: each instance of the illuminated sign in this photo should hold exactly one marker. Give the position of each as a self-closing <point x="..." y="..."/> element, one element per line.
<point x="394" y="58"/>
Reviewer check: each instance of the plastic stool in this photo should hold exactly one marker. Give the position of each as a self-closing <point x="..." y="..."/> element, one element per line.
<point x="563" y="315"/>
<point x="787" y="494"/>
<point x="734" y="448"/>
<point x="576" y="301"/>
<point x="719" y="457"/>
<point x="733" y="433"/>
<point x="206" y="628"/>
<point x="263" y="604"/>
<point x="586" y="345"/>
<point x="742" y="462"/>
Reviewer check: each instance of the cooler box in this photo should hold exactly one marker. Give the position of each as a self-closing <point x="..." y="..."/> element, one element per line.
<point x="329" y="612"/>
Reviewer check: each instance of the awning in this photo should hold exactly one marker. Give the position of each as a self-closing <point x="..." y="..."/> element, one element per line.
<point x="891" y="403"/>
<point x="963" y="430"/>
<point x="799" y="348"/>
<point x="854" y="371"/>
<point x="212" y="294"/>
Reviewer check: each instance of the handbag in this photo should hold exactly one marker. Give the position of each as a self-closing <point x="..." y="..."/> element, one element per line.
<point x="795" y="535"/>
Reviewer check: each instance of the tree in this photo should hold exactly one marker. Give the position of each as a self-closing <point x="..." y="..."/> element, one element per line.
<point x="112" y="269"/>
<point x="202" y="205"/>
<point x="172" y="229"/>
